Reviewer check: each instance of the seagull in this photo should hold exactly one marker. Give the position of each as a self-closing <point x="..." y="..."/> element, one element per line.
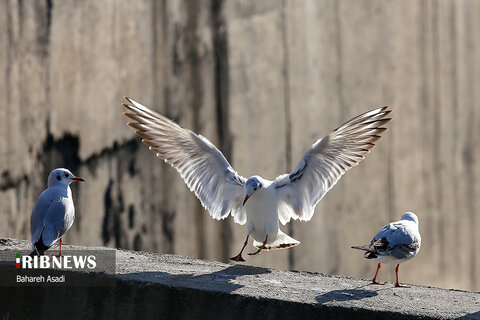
<point x="396" y="242"/>
<point x="54" y="211"/>
<point x="258" y="202"/>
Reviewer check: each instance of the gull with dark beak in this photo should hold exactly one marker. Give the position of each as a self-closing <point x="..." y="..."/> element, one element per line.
<point x="54" y="212"/>
<point x="258" y="202"/>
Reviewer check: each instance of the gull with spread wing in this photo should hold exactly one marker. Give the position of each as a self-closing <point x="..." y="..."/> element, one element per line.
<point x="258" y="202"/>
<point x="395" y="242"/>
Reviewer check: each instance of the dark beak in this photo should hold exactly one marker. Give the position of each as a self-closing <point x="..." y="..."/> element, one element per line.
<point x="78" y="179"/>
<point x="245" y="200"/>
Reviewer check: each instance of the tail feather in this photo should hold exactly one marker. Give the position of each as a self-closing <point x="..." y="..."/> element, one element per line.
<point x="370" y="253"/>
<point x="365" y="247"/>
<point x="282" y="241"/>
<point x="38" y="248"/>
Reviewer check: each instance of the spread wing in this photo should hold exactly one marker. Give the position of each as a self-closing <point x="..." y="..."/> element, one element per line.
<point x="203" y="167"/>
<point x="325" y="162"/>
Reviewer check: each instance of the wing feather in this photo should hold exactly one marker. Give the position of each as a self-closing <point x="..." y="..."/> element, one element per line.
<point x="397" y="239"/>
<point x="325" y="162"/>
<point x="202" y="166"/>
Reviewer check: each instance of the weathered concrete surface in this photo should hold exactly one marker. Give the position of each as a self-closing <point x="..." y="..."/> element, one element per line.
<point x="255" y="77"/>
<point x="150" y="285"/>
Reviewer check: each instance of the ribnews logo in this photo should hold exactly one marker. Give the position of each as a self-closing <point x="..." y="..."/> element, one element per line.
<point x="55" y="262"/>
<point x="89" y="267"/>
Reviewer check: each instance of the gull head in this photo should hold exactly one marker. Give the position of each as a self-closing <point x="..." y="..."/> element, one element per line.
<point x="61" y="176"/>
<point x="253" y="185"/>
<point x="410" y="216"/>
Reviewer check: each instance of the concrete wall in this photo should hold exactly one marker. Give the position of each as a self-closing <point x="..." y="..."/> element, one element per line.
<point x="269" y="77"/>
<point x="153" y="286"/>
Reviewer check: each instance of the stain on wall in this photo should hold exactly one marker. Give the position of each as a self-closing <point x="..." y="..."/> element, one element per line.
<point x="262" y="80"/>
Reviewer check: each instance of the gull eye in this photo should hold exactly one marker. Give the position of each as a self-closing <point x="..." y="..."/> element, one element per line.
<point x="59" y="178"/>
<point x="66" y="175"/>
<point x="255" y="189"/>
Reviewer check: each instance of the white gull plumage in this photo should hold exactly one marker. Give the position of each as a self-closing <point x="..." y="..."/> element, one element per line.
<point x="54" y="211"/>
<point x="395" y="242"/>
<point x="223" y="192"/>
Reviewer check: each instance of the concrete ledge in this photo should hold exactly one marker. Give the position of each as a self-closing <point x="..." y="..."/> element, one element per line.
<point x="150" y="285"/>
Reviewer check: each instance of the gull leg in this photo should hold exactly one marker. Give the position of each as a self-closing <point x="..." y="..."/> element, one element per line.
<point x="239" y="256"/>
<point x="60" y="251"/>
<point x="398" y="285"/>
<point x="374" y="280"/>
<point x="261" y="247"/>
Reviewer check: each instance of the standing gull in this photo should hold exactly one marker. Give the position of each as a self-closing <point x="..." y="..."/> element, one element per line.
<point x="396" y="242"/>
<point x="223" y="192"/>
<point x="54" y="212"/>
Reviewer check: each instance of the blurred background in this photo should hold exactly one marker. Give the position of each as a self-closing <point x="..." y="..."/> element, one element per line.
<point x="269" y="77"/>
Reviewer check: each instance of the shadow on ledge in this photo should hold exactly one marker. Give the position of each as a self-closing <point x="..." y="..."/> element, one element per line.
<point x="217" y="281"/>
<point x="346" y="295"/>
<point x="471" y="316"/>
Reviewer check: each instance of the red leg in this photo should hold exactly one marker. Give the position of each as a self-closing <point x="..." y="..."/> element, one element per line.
<point x="396" y="274"/>
<point x="261" y="247"/>
<point x="374" y="280"/>
<point x="60" y="251"/>
<point x="239" y="256"/>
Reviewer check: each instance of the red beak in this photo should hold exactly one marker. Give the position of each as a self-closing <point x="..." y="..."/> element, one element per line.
<point x="78" y="179"/>
<point x="245" y="200"/>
